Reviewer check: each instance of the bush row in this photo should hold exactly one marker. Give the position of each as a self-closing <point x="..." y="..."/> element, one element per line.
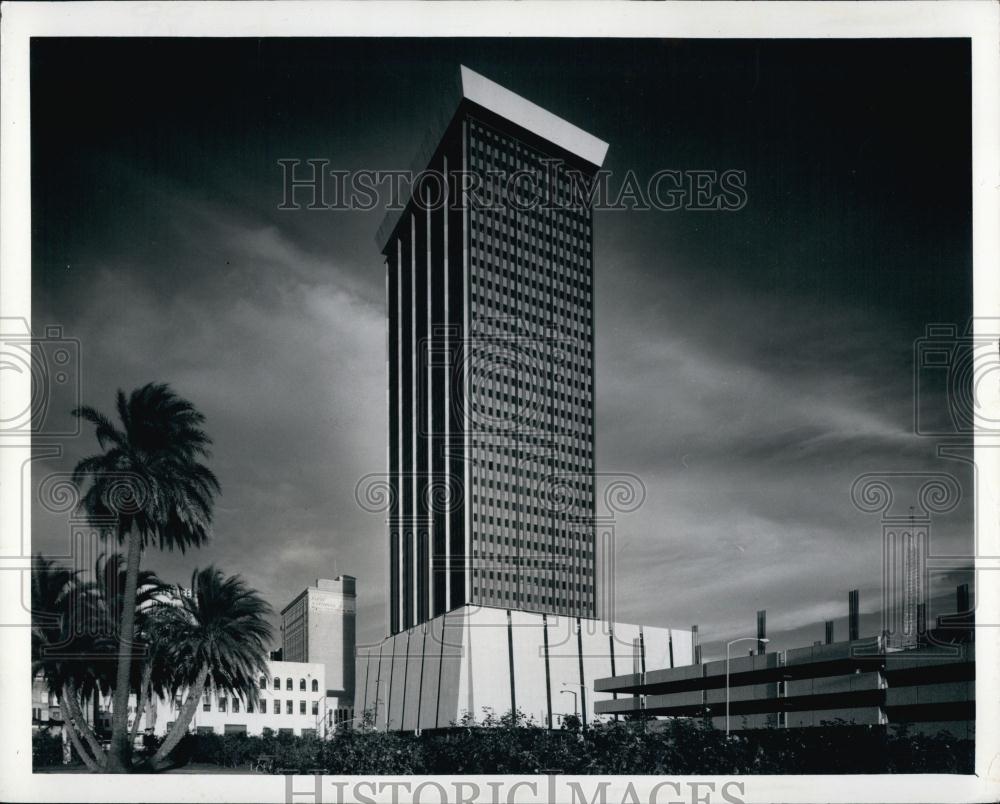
<point x="676" y="747"/>
<point x="46" y="749"/>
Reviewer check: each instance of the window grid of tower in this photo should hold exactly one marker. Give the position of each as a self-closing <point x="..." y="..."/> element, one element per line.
<point x="506" y="293"/>
<point x="531" y="388"/>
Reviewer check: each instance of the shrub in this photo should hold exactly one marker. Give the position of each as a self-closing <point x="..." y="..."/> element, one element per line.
<point x="513" y="744"/>
<point x="46" y="749"/>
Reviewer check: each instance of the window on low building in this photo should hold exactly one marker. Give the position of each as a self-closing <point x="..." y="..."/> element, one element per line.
<point x="302" y="685"/>
<point x="302" y="707"/>
<point x="277" y="683"/>
<point x="315" y="685"/>
<point x="277" y="706"/>
<point x="315" y="707"/>
<point x="236" y="704"/>
<point x="288" y="707"/>
<point x="263" y="683"/>
<point x="250" y="707"/>
<point x="288" y="684"/>
<point x="223" y="704"/>
<point x="206" y="704"/>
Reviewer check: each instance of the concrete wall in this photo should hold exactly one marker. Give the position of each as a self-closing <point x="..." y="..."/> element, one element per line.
<point x="829" y="685"/>
<point x="479" y="659"/>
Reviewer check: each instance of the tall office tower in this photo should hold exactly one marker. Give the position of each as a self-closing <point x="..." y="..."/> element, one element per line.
<point x="490" y="288"/>
<point x="319" y="626"/>
<point x="489" y="281"/>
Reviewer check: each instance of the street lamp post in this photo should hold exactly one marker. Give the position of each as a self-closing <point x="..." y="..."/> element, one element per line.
<point x="728" y="646"/>
<point x="573" y="693"/>
<point x="583" y="688"/>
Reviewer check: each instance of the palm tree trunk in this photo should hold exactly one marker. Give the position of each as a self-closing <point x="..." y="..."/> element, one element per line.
<point x="183" y="718"/>
<point x="120" y="754"/>
<point x="81" y="751"/>
<point x="72" y="701"/>
<point x="140" y="702"/>
<point x="77" y="726"/>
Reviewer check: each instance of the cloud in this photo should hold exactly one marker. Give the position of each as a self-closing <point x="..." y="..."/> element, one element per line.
<point x="284" y="357"/>
<point x="748" y="446"/>
<point x="749" y="366"/>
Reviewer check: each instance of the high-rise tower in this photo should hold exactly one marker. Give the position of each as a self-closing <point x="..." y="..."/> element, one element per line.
<point x="492" y="599"/>
<point x="489" y="281"/>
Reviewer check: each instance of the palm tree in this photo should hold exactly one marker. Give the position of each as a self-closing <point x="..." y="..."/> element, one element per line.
<point x="157" y="677"/>
<point x="216" y="639"/>
<point x="74" y="643"/>
<point x="110" y="579"/>
<point x="72" y="656"/>
<point x="147" y="487"/>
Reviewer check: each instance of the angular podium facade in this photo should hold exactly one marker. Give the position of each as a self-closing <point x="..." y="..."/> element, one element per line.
<point x="473" y="659"/>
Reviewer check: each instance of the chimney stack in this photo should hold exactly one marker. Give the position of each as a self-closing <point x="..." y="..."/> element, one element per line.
<point x="829" y="632"/>
<point x="853" y="615"/>
<point x="761" y="631"/>
<point x="696" y="644"/>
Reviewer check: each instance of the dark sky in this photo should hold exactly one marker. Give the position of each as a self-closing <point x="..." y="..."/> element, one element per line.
<point x="750" y="364"/>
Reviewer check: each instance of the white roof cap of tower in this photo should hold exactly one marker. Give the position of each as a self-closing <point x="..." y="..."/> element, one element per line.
<point x="532" y="117"/>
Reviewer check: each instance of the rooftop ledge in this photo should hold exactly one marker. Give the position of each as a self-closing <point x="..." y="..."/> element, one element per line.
<point x="520" y="111"/>
<point x="530" y="116"/>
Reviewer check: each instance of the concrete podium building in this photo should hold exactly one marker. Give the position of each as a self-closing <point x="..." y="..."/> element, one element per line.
<point x="475" y="658"/>
<point x="492" y="588"/>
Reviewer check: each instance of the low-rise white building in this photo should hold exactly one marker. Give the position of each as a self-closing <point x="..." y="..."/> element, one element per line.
<point x="292" y="700"/>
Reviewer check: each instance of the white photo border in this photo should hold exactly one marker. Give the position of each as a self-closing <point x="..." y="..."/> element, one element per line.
<point x="977" y="21"/>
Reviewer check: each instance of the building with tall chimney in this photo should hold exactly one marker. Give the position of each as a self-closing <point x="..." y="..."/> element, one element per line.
<point x="492" y="582"/>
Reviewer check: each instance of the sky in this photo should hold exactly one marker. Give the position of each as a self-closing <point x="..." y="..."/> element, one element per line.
<point x="750" y="364"/>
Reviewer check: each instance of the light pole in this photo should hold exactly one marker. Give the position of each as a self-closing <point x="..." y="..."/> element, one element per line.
<point x="583" y="689"/>
<point x="573" y="693"/>
<point x="728" y="646"/>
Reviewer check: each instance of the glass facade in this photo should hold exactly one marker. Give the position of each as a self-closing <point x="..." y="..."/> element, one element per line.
<point x="491" y="380"/>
